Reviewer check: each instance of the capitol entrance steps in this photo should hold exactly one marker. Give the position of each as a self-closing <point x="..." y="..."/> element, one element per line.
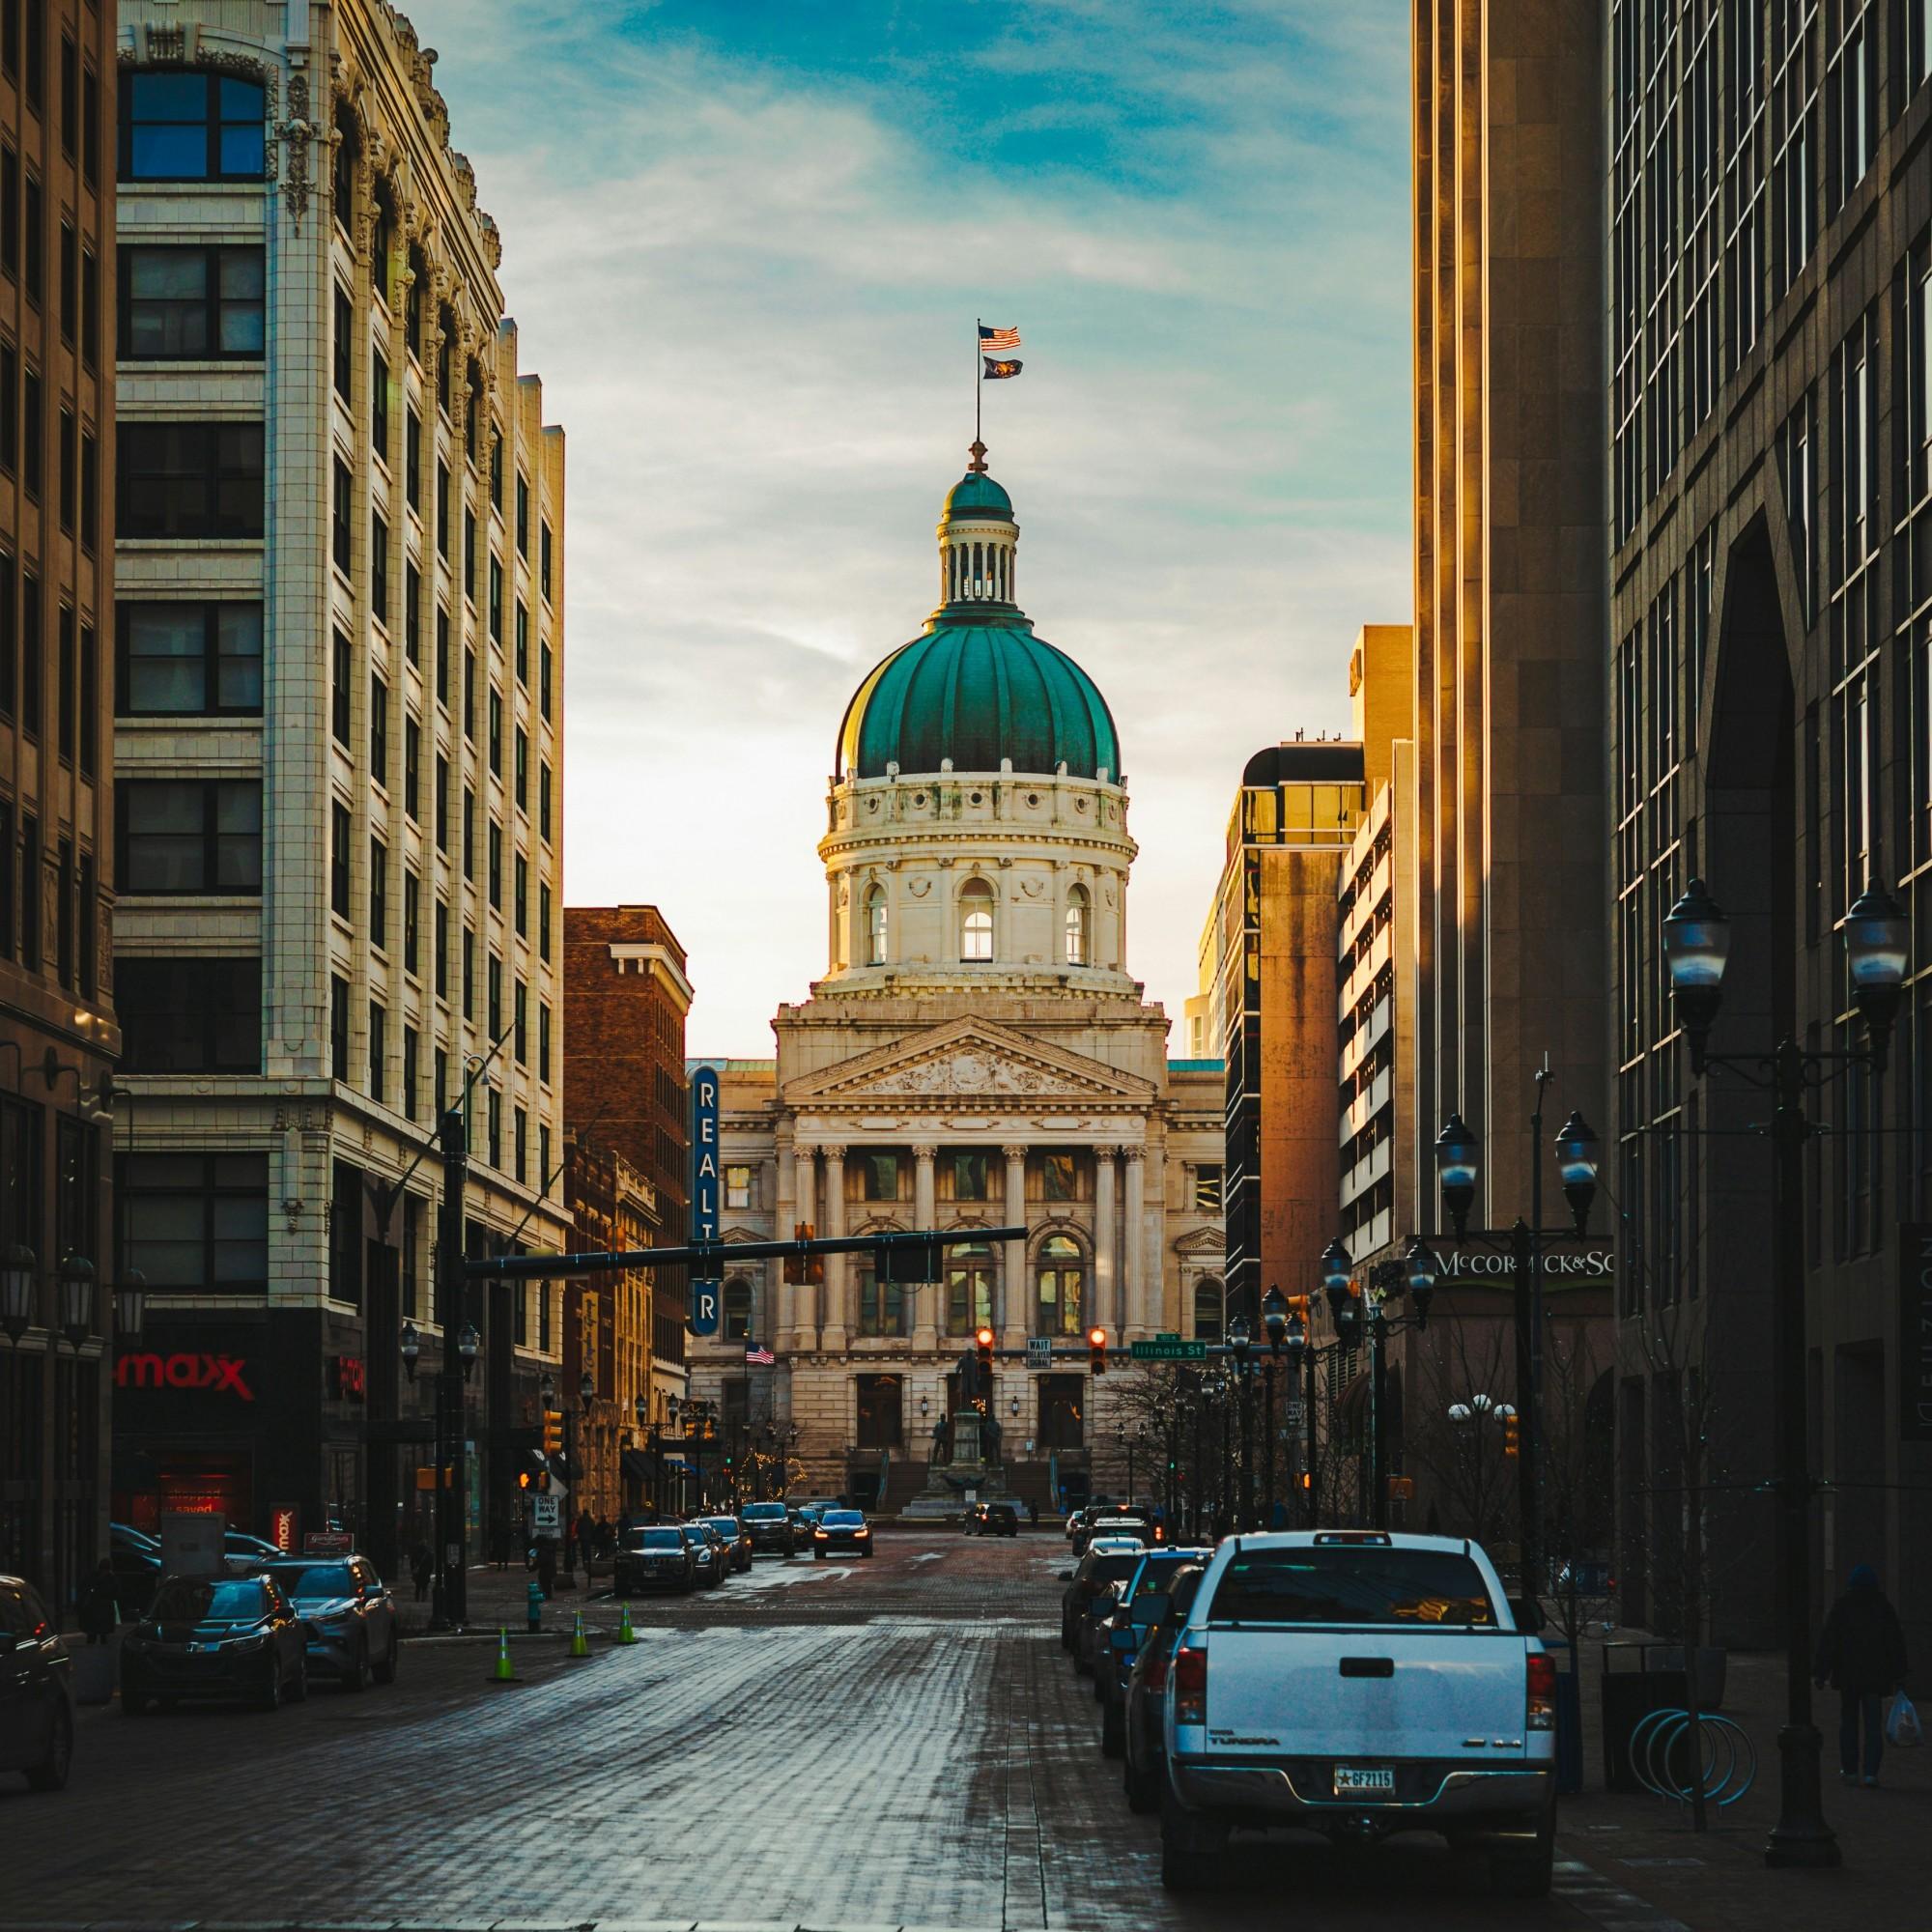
<point x="903" y="1481"/>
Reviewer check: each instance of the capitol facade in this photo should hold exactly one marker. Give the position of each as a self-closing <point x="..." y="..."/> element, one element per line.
<point x="977" y="1054"/>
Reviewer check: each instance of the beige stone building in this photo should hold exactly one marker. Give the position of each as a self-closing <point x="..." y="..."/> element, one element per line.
<point x="977" y="1054"/>
<point x="338" y="741"/>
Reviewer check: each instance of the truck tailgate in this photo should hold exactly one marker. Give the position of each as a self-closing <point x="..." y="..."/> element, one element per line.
<point x="1376" y="1695"/>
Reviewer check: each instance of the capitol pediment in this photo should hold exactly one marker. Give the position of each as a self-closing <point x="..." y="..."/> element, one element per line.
<point x="973" y="1059"/>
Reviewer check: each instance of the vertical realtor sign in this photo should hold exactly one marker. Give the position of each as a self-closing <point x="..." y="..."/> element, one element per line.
<point x="1914" y="1332"/>
<point x="704" y="1190"/>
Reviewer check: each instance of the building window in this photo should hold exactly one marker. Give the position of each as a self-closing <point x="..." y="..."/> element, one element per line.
<point x="343" y="338"/>
<point x="496" y="605"/>
<point x="412" y="439"/>
<point x="200" y="836"/>
<point x="543" y="802"/>
<point x="1207" y="1189"/>
<point x="341" y="702"/>
<point x="1058" y="1176"/>
<point x="190" y="126"/>
<point x="412" y="1054"/>
<point x="543" y="1041"/>
<point x="188" y="479"/>
<point x="882" y="1305"/>
<point x="412" y="589"/>
<point x="878" y="929"/>
<point x="442" y="944"/>
<point x="338" y="858"/>
<point x="190" y="1015"/>
<point x="969" y="1289"/>
<point x="543" y="558"/>
<point x="379" y="892"/>
<point x="519" y="770"/>
<point x="411" y="923"/>
<point x="379" y="729"/>
<point x="737" y="1310"/>
<point x="379" y="568"/>
<point x="441" y="803"/>
<point x="880" y="1173"/>
<point x="194" y="1222"/>
<point x="1076" y="927"/>
<point x="378" y="405"/>
<point x="543" y="919"/>
<point x="738" y="1187"/>
<point x="880" y="1411"/>
<point x="412" y="768"/>
<point x="338" y="1026"/>
<point x="967" y="1170"/>
<point x="1209" y="1309"/>
<point x="1059" y="1282"/>
<point x="520" y="1152"/>
<point x="189" y="660"/>
<point x="520" y="1030"/>
<point x="522" y="641"/>
<point x="519" y="898"/>
<point x="496" y="738"/>
<point x="495" y="872"/>
<point x="975" y="920"/>
<point x="442" y="511"/>
<point x="379" y="1051"/>
<point x="196" y="303"/>
<point x="544" y="678"/>
<point x="522" y="516"/>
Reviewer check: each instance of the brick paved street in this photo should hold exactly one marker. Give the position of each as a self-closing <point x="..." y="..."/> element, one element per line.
<point x="888" y="1743"/>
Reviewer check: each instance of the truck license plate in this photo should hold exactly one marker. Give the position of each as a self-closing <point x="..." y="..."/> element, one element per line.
<point x="1364" y="1781"/>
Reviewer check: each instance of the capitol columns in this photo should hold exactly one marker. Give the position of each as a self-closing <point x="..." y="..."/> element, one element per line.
<point x="804" y="1298"/>
<point x="837" y="1327"/>
<point x="1105" y="1309"/>
<point x="1133" y="1291"/>
<point x="784" y="1219"/>
<point x="925" y="1211"/>
<point x="1013" y="1302"/>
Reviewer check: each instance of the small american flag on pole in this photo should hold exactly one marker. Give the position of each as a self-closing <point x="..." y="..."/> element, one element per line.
<point x="997" y="340"/>
<point x="758" y="1356"/>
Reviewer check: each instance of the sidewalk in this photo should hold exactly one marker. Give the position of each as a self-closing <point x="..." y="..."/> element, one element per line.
<point x="1719" y="1882"/>
<point x="498" y="1600"/>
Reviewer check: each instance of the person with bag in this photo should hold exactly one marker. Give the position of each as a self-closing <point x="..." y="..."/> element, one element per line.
<point x="1861" y="1655"/>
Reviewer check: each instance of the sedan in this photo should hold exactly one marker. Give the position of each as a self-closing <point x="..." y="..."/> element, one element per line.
<point x="350" y="1615"/>
<point x="35" y="1690"/>
<point x="842" y="1529"/>
<point x="1096" y="1569"/>
<point x="737" y="1538"/>
<point x="712" y="1559"/>
<point x="654" y="1559"/>
<point x="769" y="1528"/>
<point x="215" y="1636"/>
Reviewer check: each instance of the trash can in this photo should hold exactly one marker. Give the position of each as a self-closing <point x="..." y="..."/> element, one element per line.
<point x="1630" y="1695"/>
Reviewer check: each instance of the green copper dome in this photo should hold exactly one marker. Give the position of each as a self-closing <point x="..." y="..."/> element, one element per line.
<point x="976" y="492"/>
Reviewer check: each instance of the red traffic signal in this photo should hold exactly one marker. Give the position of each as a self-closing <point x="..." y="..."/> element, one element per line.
<point x="982" y="1341"/>
<point x="1097" y="1350"/>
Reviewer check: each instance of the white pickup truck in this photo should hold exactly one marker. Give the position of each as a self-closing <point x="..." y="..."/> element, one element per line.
<point x="1359" y="1683"/>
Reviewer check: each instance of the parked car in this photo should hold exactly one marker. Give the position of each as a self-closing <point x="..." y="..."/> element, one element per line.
<point x="771" y="1527"/>
<point x="842" y="1529"/>
<point x="654" y="1558"/>
<point x="992" y="1520"/>
<point x="804" y="1521"/>
<point x="238" y="1542"/>
<point x="215" y="1636"/>
<point x="350" y="1615"/>
<point x="1092" y="1573"/>
<point x="136" y="1559"/>
<point x="35" y="1690"/>
<point x="1360" y="1683"/>
<point x="1115" y="1637"/>
<point x="1094" y="1506"/>
<point x="1157" y="1617"/>
<point x="711" y="1561"/>
<point x="737" y="1538"/>
<point x="1112" y="1523"/>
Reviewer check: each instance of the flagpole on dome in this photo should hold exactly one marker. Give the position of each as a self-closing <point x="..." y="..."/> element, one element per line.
<point x="978" y="390"/>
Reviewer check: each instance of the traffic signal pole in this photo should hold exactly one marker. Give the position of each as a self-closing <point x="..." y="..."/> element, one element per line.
<point x="451" y="1606"/>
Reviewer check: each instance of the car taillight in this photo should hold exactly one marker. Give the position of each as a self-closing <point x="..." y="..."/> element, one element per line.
<point x="1156" y="1672"/>
<point x="1540" y="1712"/>
<point x="1190" y="1686"/>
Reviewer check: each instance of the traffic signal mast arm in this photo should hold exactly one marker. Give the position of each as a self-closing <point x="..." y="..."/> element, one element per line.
<point x="705" y="1257"/>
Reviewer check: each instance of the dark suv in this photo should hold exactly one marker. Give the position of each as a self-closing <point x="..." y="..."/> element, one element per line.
<point x="992" y="1520"/>
<point x="35" y="1690"/>
<point x="769" y="1528"/>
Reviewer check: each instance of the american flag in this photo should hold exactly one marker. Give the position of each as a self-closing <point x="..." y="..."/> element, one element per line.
<point x="758" y="1356"/>
<point x="998" y="338"/>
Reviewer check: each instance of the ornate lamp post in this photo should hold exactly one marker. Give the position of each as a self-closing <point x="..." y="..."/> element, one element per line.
<point x="19" y="1271"/>
<point x="1697" y="945"/>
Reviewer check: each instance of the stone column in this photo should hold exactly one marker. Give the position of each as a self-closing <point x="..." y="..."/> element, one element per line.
<point x="1105" y="1308"/>
<point x="784" y="1215"/>
<point x="1015" y="1318"/>
<point x="925" y="1215"/>
<point x="1133" y="1256"/>
<point x="838" y="1294"/>
<point x="805" y="1299"/>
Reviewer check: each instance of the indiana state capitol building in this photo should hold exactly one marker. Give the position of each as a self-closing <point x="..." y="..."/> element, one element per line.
<point x="976" y="1055"/>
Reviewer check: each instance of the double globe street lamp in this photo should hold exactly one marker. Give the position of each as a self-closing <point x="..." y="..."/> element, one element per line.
<point x="1697" y="949"/>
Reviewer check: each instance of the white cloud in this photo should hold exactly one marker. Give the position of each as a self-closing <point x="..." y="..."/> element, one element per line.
<point x="749" y="289"/>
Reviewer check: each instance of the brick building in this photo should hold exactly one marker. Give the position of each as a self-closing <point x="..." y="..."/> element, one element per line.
<point x="625" y="999"/>
<point x="58" y="1035"/>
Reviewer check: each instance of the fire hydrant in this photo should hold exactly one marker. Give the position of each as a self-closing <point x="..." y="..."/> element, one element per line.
<point x="533" y="1604"/>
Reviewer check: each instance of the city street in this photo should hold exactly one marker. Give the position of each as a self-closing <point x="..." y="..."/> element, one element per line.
<point x="893" y="1743"/>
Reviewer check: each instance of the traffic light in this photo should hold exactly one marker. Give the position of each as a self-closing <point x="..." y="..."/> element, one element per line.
<point x="533" y="1482"/>
<point x="1510" y="1445"/>
<point x="795" y="1265"/>
<point x="1308" y="1479"/>
<point x="553" y="1432"/>
<point x="982" y="1342"/>
<point x="1097" y="1350"/>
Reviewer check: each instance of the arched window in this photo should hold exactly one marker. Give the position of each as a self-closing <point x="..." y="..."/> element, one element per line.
<point x="883" y="1306"/>
<point x="445" y="361"/>
<point x="1210" y="1306"/>
<point x="877" y="930"/>
<point x="1076" y="925"/>
<point x="969" y="1289"/>
<point x="343" y="175"/>
<point x="975" y="920"/>
<point x="1060" y="1287"/>
<point x="737" y="1310"/>
<point x="381" y="241"/>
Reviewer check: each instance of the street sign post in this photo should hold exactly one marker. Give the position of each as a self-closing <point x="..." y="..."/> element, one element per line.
<point x="1167" y="1349"/>
<point x="546" y="1516"/>
<point x="1039" y="1351"/>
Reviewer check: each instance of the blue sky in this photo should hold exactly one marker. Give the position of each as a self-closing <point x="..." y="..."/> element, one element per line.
<point x="745" y="244"/>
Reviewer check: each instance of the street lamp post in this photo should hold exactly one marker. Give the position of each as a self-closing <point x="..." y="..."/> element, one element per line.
<point x="1240" y="1339"/>
<point x="1696" y="944"/>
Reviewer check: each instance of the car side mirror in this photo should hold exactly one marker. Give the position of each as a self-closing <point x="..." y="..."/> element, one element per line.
<point x="1530" y="1617"/>
<point x="1150" y="1607"/>
<point x="1123" y="1640"/>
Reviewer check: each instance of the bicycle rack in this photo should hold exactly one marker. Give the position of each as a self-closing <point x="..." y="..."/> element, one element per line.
<point x="1726" y="1759"/>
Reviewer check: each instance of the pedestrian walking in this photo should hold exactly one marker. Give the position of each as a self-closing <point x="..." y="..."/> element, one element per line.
<point x="605" y="1538"/>
<point x="422" y="1569"/>
<point x="99" y="1611"/>
<point x="586" y="1530"/>
<point x="1033" y="1514"/>
<point x="1861" y="1655"/>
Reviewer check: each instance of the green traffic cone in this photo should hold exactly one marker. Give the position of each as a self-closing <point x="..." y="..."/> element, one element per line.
<point x="505" y="1672"/>
<point x="625" y="1633"/>
<point x="580" y="1644"/>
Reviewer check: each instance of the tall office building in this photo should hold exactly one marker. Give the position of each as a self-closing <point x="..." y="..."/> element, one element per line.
<point x="57" y="1026"/>
<point x="338" y="742"/>
<point x="1771" y="230"/>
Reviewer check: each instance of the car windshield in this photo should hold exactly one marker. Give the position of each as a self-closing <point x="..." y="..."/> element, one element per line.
<point x="1155" y="1570"/>
<point x="657" y="1539"/>
<point x="315" y="1579"/>
<point x="192" y="1599"/>
<point x="765" y="1513"/>
<point x="695" y="1532"/>
<point x="843" y="1519"/>
<point x="1414" y="1588"/>
<point x="725" y="1526"/>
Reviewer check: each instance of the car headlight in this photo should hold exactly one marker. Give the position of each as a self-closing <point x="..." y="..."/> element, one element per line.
<point x="243" y="1645"/>
<point x="861" y="1533"/>
<point x="819" y="1535"/>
